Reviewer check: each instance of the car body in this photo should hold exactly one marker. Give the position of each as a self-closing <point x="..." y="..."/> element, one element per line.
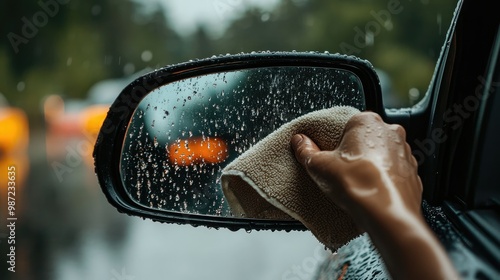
<point x="455" y="154"/>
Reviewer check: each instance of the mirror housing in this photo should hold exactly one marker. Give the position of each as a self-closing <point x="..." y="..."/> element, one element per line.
<point x="110" y="142"/>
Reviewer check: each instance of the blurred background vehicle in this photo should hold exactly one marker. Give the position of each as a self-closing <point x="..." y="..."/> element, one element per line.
<point x="62" y="62"/>
<point x="72" y="124"/>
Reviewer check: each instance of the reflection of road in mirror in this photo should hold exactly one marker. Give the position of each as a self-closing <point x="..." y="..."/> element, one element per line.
<point x="184" y="133"/>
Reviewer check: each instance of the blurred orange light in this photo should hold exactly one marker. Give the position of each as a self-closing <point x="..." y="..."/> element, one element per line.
<point x="14" y="140"/>
<point x="196" y="150"/>
<point x="93" y="118"/>
<point x="15" y="131"/>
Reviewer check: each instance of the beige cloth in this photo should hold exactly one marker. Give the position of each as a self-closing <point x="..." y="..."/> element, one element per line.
<point x="267" y="182"/>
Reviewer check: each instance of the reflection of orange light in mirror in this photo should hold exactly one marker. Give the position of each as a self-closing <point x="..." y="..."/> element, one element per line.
<point x="197" y="150"/>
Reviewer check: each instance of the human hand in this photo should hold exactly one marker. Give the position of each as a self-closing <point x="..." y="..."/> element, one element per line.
<point x="372" y="170"/>
<point x="372" y="175"/>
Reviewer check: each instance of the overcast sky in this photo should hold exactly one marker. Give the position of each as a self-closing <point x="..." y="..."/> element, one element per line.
<point x="186" y="15"/>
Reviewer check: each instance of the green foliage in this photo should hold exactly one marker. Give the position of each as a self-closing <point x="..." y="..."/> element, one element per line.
<point x="406" y="46"/>
<point x="82" y="43"/>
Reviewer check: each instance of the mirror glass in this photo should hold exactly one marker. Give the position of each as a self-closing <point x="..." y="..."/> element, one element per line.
<point x="184" y="133"/>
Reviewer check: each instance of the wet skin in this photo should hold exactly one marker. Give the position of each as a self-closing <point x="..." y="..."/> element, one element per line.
<point x="372" y="175"/>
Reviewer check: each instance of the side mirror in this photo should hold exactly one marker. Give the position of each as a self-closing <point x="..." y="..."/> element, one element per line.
<point x="170" y="132"/>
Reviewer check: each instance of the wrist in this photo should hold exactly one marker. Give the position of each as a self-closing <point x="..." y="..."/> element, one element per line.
<point x="374" y="198"/>
<point x="366" y="193"/>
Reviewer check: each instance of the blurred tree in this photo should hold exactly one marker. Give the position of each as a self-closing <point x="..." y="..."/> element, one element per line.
<point x="199" y="45"/>
<point x="64" y="47"/>
<point x="401" y="38"/>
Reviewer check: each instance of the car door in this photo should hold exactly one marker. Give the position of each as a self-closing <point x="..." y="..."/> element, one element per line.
<point x="458" y="156"/>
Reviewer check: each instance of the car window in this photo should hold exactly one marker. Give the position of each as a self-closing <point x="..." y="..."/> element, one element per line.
<point x="486" y="191"/>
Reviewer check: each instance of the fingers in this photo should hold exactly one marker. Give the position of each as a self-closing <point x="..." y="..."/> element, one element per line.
<point x="304" y="148"/>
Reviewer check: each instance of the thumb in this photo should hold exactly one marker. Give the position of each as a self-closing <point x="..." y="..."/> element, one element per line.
<point x="304" y="148"/>
<point x="322" y="166"/>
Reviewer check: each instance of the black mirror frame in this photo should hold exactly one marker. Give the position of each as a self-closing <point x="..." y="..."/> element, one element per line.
<point x="108" y="147"/>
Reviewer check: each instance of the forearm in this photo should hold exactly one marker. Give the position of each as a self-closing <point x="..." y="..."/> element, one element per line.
<point x="409" y="248"/>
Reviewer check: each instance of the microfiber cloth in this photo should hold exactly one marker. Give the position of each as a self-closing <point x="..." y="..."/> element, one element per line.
<point x="267" y="182"/>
